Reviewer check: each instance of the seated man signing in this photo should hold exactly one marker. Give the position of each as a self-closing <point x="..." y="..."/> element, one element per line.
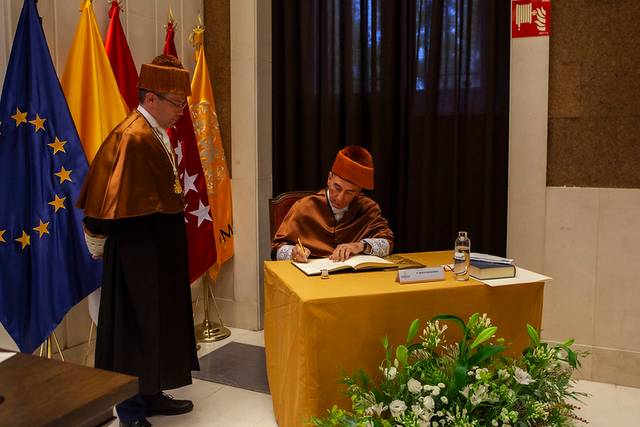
<point x="339" y="221"/>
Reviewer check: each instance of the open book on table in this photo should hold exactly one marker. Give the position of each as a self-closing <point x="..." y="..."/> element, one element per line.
<point x="355" y="263"/>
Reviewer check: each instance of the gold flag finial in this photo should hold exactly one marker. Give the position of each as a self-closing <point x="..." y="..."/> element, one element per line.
<point x="171" y="21"/>
<point x="197" y="35"/>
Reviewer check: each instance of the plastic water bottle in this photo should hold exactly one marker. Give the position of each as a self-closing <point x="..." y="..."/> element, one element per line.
<point x="461" y="256"/>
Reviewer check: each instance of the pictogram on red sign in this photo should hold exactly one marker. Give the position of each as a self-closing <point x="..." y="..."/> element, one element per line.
<point x="530" y="18"/>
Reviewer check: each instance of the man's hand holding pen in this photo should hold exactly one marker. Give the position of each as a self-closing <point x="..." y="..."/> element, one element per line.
<point x="300" y="253"/>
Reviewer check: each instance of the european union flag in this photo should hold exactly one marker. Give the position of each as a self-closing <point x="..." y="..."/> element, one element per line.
<point x="45" y="268"/>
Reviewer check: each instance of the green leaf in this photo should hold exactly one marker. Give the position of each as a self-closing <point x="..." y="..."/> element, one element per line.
<point x="413" y="331"/>
<point x="385" y="342"/>
<point x="568" y="343"/>
<point x="533" y="335"/>
<point x="473" y="319"/>
<point x="459" y="378"/>
<point x="485" y="353"/>
<point x="572" y="358"/>
<point x="402" y="354"/>
<point x="484" y="335"/>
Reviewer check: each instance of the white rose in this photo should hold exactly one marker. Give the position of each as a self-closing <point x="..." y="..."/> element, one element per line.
<point x="428" y="403"/>
<point x="397" y="408"/>
<point x="522" y="377"/>
<point x="435" y="391"/>
<point x="390" y="373"/>
<point x="444" y="399"/>
<point x="414" y="386"/>
<point x="441" y="385"/>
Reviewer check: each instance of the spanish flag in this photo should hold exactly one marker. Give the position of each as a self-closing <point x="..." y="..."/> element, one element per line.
<point x="90" y="86"/>
<point x="214" y="163"/>
<point x="119" y="54"/>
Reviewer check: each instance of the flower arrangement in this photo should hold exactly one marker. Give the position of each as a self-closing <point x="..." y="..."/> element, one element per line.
<point x="470" y="383"/>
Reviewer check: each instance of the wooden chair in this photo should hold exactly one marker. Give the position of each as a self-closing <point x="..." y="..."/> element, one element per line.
<point x="279" y="207"/>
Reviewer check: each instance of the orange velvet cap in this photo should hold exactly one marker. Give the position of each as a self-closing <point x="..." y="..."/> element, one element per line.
<point x="165" y="75"/>
<point x="354" y="164"/>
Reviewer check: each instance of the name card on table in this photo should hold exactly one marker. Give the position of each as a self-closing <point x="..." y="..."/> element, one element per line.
<point x="417" y="275"/>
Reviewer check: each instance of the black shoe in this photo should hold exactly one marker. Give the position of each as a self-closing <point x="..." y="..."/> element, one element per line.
<point x="163" y="404"/>
<point x="138" y="423"/>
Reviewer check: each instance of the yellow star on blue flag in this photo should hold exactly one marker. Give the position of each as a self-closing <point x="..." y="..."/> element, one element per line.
<point x="50" y="267"/>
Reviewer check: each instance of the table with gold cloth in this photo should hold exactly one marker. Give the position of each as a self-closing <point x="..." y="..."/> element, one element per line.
<point x="317" y="329"/>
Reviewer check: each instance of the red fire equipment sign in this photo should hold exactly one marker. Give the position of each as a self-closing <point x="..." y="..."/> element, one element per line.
<point x="530" y="18"/>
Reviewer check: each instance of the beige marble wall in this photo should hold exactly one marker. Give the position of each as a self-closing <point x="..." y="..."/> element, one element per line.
<point x="592" y="252"/>
<point x="239" y="290"/>
<point x="527" y="150"/>
<point x="591" y="232"/>
<point x="143" y="22"/>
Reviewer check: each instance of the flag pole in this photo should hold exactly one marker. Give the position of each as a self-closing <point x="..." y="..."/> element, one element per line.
<point x="86" y="355"/>
<point x="205" y="331"/>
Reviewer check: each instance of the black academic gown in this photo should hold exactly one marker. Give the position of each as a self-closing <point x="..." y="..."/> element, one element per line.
<point x="145" y="325"/>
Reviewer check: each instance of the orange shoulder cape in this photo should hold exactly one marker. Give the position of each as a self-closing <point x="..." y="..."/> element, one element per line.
<point x="131" y="175"/>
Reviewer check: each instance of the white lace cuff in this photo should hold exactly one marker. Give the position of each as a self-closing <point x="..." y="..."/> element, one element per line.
<point x="95" y="244"/>
<point x="379" y="246"/>
<point x="284" y="252"/>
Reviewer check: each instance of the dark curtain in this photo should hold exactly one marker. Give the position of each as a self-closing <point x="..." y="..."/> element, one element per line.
<point x="424" y="85"/>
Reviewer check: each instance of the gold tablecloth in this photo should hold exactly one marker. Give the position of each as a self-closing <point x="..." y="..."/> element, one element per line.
<point x="317" y="329"/>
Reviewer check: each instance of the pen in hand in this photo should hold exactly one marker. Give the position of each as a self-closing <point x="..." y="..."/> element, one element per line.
<point x="302" y="257"/>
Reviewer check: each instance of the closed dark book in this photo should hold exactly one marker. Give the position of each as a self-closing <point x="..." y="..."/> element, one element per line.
<point x="491" y="270"/>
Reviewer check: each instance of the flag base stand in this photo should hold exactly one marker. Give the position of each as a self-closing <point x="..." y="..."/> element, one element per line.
<point x="209" y="331"/>
<point x="46" y="348"/>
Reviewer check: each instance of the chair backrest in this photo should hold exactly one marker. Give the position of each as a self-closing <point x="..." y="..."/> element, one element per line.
<point x="279" y="207"/>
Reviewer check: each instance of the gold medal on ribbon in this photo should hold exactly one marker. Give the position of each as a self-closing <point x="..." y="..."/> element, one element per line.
<point x="177" y="188"/>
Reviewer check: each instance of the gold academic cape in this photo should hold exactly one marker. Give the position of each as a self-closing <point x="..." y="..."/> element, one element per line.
<point x="312" y="220"/>
<point x="130" y="176"/>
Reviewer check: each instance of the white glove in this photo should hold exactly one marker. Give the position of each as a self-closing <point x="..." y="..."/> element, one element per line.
<point x="95" y="244"/>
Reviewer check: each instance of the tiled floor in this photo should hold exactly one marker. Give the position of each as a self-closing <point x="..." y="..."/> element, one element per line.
<point x="220" y="405"/>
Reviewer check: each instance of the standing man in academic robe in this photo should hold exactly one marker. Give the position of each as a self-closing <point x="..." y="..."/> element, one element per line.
<point x="133" y="202"/>
<point x="339" y="221"/>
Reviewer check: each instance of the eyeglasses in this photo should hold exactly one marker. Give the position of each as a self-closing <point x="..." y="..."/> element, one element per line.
<point x="175" y="104"/>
